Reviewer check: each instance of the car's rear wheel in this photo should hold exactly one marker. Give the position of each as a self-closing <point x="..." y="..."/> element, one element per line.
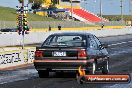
<point x="92" y="69"/>
<point x="43" y="73"/>
<point x="105" y="69"/>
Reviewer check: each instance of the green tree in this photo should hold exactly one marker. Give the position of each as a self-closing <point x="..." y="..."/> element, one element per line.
<point x="36" y="6"/>
<point x="20" y="1"/>
<point x="36" y="1"/>
<point x="53" y="4"/>
<point x="39" y="2"/>
<point x="33" y="1"/>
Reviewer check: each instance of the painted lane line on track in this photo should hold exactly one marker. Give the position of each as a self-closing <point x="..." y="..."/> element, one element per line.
<point x="119" y="43"/>
<point x="118" y="53"/>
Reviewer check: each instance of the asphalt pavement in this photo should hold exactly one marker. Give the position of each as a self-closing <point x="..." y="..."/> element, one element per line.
<point x="120" y="50"/>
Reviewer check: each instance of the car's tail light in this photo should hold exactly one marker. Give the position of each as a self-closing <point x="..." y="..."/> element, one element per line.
<point x="82" y="53"/>
<point x="38" y="53"/>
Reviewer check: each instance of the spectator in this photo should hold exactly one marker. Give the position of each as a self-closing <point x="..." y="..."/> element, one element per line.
<point x="102" y="26"/>
<point x="49" y="28"/>
<point x="59" y="27"/>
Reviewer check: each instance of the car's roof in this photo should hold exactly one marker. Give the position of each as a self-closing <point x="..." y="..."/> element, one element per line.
<point x="72" y="33"/>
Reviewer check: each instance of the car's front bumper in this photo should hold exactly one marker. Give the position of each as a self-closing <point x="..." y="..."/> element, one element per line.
<point x="66" y="65"/>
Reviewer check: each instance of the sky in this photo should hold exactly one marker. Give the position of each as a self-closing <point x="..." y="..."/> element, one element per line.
<point x="109" y="7"/>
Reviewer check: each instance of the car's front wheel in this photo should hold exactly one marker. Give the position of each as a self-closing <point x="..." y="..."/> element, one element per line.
<point x="93" y="68"/>
<point x="105" y="69"/>
<point x="43" y="73"/>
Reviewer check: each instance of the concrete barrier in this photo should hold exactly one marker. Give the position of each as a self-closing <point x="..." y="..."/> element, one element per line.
<point x="30" y="55"/>
<point x="11" y="39"/>
<point x="10" y="59"/>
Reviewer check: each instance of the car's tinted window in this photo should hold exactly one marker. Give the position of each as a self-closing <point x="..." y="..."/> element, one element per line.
<point x="48" y="40"/>
<point x="97" y="40"/>
<point x="65" y="40"/>
<point x="92" y="43"/>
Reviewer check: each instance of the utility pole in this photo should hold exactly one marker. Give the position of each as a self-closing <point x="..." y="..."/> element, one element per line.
<point x="130" y="11"/>
<point x="121" y="10"/>
<point x="101" y="14"/>
<point x="130" y="3"/>
<point x="101" y="8"/>
<point x="94" y="6"/>
<point x="71" y="10"/>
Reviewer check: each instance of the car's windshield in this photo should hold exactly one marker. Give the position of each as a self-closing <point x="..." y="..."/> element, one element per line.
<point x="65" y="41"/>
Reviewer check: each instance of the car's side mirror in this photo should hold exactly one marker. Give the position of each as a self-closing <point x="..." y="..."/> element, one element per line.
<point x="103" y="45"/>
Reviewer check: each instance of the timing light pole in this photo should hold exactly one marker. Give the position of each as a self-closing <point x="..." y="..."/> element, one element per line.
<point x="22" y="25"/>
<point x="101" y="13"/>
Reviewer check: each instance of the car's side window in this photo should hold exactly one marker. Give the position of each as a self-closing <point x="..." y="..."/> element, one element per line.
<point x="47" y="42"/>
<point x="93" y="43"/>
<point x="97" y="40"/>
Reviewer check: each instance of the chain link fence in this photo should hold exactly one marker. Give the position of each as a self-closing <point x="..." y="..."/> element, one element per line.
<point x="55" y="24"/>
<point x="113" y="23"/>
<point x="45" y="24"/>
<point x="7" y="24"/>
